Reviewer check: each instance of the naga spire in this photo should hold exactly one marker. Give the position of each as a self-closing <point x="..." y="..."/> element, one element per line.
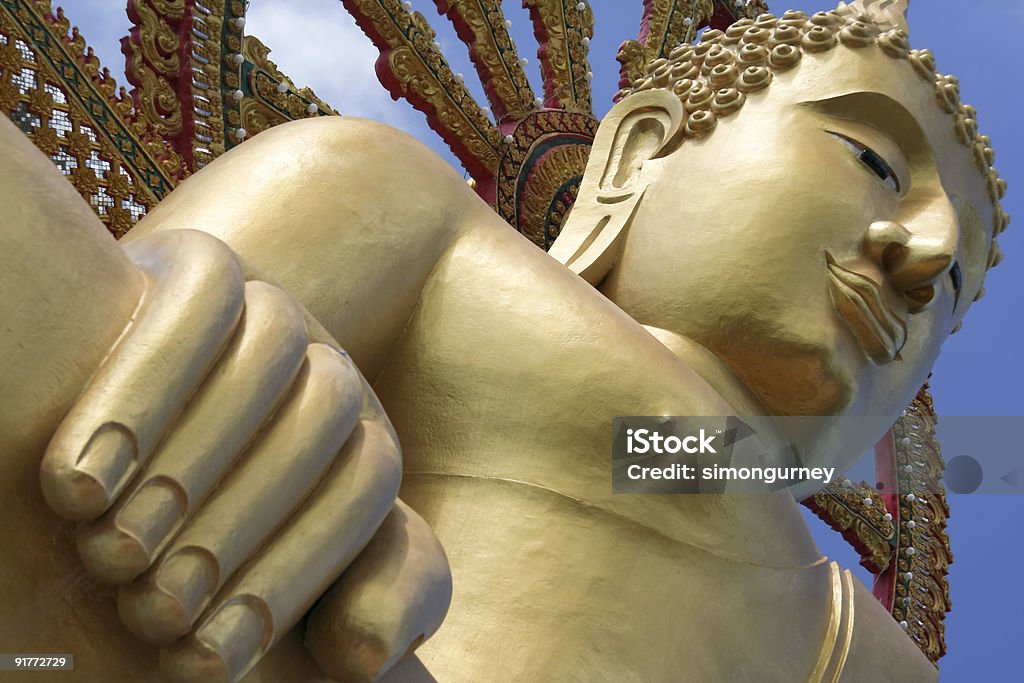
<point x="885" y="12"/>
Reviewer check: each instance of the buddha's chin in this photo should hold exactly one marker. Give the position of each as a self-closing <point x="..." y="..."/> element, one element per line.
<point x="799" y="380"/>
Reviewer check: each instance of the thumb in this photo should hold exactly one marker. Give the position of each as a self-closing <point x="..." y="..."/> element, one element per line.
<point x="387" y="603"/>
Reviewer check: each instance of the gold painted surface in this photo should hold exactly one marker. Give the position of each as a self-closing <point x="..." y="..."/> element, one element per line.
<point x="714" y="78"/>
<point x="843" y="651"/>
<point x="480" y="24"/>
<point x="560" y="28"/>
<point x="835" y="615"/>
<point x="667" y="23"/>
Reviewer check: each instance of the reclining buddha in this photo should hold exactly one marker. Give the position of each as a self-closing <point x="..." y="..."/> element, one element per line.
<point x="221" y="396"/>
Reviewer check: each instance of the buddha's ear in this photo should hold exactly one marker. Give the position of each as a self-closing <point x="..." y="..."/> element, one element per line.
<point x="639" y="128"/>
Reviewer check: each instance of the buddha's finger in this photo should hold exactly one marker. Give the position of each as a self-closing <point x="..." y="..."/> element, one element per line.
<point x="193" y="299"/>
<point x="249" y="380"/>
<point x="272" y="593"/>
<point x="391" y="599"/>
<point x="258" y="495"/>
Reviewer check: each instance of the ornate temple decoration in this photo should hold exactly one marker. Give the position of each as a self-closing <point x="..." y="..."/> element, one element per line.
<point x="198" y="83"/>
<point x="915" y="585"/>
<point x="411" y="66"/>
<point x="563" y="31"/>
<point x="856" y="512"/>
<point x="481" y="25"/>
<point x="525" y="153"/>
<point x="899" y="525"/>
<point x="53" y="88"/>
<point x="267" y="97"/>
<point x="175" y="61"/>
<point x="528" y="160"/>
<point x="201" y="83"/>
<point x="154" y="62"/>
<point x="540" y="174"/>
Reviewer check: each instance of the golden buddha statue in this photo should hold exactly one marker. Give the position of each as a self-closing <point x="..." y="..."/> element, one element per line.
<point x="226" y="462"/>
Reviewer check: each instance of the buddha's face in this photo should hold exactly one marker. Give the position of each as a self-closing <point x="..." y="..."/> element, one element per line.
<point x="823" y="242"/>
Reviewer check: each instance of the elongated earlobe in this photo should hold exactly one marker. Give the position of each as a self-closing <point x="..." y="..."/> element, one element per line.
<point x="597" y="253"/>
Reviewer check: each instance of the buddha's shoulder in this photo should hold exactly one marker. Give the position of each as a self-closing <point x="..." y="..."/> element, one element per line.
<point x="347" y="185"/>
<point x="354" y="143"/>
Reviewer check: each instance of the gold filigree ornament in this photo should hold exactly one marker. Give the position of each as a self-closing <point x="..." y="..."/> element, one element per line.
<point x="53" y="87"/>
<point x="859" y="514"/>
<point x="920" y="588"/>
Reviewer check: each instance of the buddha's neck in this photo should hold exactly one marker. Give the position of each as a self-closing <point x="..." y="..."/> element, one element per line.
<point x="711" y="368"/>
<point x="565" y="368"/>
<point x="745" y="404"/>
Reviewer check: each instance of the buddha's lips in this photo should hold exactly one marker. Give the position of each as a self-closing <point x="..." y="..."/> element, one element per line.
<point x="859" y="302"/>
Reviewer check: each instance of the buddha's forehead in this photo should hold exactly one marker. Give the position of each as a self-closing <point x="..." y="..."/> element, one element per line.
<point x="872" y="88"/>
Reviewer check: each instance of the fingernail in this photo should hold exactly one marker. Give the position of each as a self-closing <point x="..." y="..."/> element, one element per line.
<point x="116" y="550"/>
<point x="109" y="554"/>
<point x="238" y="632"/>
<point x="104" y="461"/>
<point x="152" y="514"/>
<point x="191" y="660"/>
<point x="191" y="576"/>
<point x="363" y="658"/>
<point x="162" y="607"/>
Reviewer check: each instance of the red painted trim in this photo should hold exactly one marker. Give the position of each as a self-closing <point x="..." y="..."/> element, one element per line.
<point x="885" y="470"/>
<point x="483" y="176"/>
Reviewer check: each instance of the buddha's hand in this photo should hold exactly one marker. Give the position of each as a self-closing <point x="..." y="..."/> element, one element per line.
<point x="227" y="462"/>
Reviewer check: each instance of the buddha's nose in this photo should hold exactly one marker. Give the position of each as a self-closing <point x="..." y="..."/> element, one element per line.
<point x="912" y="261"/>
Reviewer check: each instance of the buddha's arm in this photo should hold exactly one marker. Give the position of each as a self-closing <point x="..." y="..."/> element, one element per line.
<point x="70" y="294"/>
<point x="67" y="293"/>
<point x="350" y="216"/>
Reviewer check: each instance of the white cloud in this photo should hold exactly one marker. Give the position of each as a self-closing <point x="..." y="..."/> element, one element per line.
<point x="102" y="23"/>
<point x="316" y="43"/>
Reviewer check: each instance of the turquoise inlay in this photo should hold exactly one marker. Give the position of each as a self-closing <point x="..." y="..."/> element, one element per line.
<point x="538" y="151"/>
<point x="548" y="224"/>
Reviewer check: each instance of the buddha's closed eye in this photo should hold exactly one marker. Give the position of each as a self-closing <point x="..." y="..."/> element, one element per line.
<point x="872" y="160"/>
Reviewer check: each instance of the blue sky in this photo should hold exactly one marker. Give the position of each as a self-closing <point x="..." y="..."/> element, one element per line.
<point x="980" y="371"/>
